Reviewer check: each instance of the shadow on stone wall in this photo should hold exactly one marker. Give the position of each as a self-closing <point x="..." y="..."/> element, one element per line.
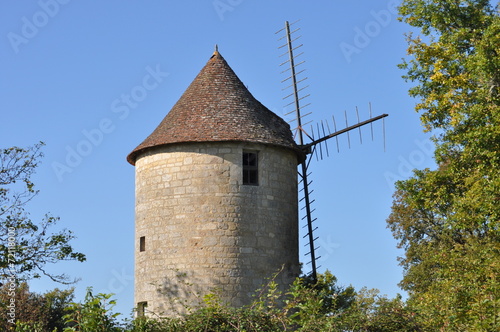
<point x="182" y="292"/>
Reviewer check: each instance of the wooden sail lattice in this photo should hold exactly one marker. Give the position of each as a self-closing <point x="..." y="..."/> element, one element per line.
<point x="295" y="85"/>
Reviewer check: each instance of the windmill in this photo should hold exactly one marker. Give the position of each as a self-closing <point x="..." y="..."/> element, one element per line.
<point x="295" y="82"/>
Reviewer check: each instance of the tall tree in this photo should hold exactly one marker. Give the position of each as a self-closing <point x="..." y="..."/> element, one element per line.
<point x="27" y="246"/>
<point x="448" y="219"/>
<point x="33" y="311"/>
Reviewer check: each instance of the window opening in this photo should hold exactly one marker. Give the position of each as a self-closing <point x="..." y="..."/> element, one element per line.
<point x="250" y="168"/>
<point x="141" y="308"/>
<point x="142" y="243"/>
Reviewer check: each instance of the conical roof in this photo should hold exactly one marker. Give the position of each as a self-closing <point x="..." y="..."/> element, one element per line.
<point x="218" y="107"/>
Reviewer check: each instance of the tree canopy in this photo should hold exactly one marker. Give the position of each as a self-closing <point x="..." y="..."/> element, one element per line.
<point x="27" y="246"/>
<point x="447" y="219"/>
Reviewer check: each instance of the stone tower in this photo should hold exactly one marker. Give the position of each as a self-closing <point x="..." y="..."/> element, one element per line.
<point x="216" y="197"/>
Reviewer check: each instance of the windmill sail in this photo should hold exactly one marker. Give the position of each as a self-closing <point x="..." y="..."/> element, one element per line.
<point x="296" y="83"/>
<point x="295" y="80"/>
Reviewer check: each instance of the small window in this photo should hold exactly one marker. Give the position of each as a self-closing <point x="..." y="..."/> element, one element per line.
<point x="141" y="308"/>
<point x="250" y="168"/>
<point x="142" y="243"/>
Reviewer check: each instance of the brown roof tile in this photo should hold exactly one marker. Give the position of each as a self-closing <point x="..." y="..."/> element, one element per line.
<point x="218" y="107"/>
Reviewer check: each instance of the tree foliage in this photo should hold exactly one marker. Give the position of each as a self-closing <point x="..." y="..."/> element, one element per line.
<point x="33" y="311"/>
<point x="27" y="246"/>
<point x="93" y="315"/>
<point x="306" y="307"/>
<point x="447" y="219"/>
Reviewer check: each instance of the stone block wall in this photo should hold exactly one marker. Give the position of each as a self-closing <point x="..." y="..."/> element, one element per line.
<point x="203" y="230"/>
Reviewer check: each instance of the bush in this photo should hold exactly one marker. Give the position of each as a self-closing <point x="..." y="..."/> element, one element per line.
<point x="34" y="312"/>
<point x="305" y="306"/>
<point x="94" y="315"/>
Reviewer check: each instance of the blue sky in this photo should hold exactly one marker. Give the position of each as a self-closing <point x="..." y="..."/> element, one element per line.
<point x="68" y="66"/>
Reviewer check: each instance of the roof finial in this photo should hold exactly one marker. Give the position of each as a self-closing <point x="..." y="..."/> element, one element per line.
<point x="216" y="50"/>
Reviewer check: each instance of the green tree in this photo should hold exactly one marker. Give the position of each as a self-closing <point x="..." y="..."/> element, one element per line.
<point x="334" y="298"/>
<point x="43" y="311"/>
<point x="27" y="246"/>
<point x="93" y="315"/>
<point x="447" y="219"/>
<point x="304" y="306"/>
<point x="373" y="312"/>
